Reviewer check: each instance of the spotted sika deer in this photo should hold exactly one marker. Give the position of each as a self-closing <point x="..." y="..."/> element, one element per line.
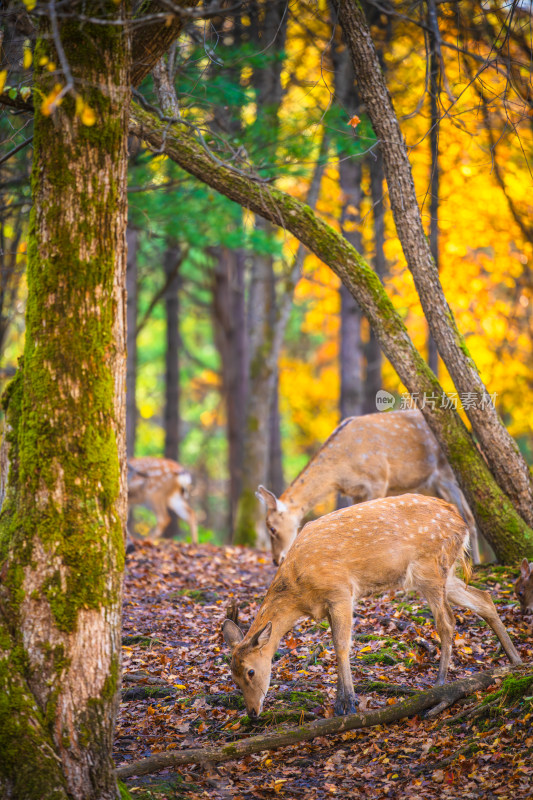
<point x="377" y="455"/>
<point x="524" y="587"/>
<point x="162" y="484"/>
<point x="410" y="542"/>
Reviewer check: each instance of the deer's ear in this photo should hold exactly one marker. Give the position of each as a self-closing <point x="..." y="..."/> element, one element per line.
<point x="525" y="569"/>
<point x="270" y="500"/>
<point x="232" y="634"/>
<point x="261" y="638"/>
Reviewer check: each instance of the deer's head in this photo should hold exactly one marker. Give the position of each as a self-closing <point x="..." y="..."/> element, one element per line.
<point x="250" y="665"/>
<point x="524" y="587"/>
<point x="282" y="524"/>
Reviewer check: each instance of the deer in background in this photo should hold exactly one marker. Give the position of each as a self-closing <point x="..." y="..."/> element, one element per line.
<point x="376" y="455"/>
<point x="524" y="587"/>
<point x="162" y="484"/>
<point x="409" y="542"/>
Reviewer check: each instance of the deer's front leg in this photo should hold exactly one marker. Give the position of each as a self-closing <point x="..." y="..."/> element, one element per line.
<point x="340" y="620"/>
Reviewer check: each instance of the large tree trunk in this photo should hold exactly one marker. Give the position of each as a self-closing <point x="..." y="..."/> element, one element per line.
<point x="230" y="338"/>
<point x="62" y="524"/>
<point x="499" y="448"/>
<point x="495" y="514"/>
<point x="131" y="366"/>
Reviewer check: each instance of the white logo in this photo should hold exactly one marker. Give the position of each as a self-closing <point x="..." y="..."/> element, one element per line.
<point x="384" y="400"/>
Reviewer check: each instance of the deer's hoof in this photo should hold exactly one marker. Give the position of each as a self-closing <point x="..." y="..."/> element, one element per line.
<point x="344" y="706"/>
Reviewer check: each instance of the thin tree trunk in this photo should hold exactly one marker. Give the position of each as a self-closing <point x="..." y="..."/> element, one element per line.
<point x="373" y="377"/>
<point x="495" y="514"/>
<point x="131" y="367"/>
<point x="350" y="177"/>
<point x="276" y="482"/>
<point x="249" y="523"/>
<point x="433" y="355"/>
<point x="172" y="260"/>
<point x="172" y="364"/>
<point x="351" y="347"/>
<point x="230" y="338"/>
<point x="62" y="525"/>
<point x="499" y="448"/>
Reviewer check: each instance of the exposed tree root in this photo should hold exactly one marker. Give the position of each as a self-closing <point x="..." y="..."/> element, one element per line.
<point x="417" y="704"/>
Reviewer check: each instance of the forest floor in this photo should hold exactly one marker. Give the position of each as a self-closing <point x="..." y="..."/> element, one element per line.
<point x="178" y="693"/>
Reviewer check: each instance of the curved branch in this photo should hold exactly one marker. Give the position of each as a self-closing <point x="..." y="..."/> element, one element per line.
<point x="497" y="518"/>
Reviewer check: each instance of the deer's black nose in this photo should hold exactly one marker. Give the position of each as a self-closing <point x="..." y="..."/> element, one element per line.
<point x="252" y="714"/>
<point x="275" y="562"/>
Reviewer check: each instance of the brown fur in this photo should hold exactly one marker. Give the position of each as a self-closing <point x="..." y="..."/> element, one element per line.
<point x="377" y="455"/>
<point x="162" y="484"/>
<point x="411" y="541"/>
<point x="524" y="587"/>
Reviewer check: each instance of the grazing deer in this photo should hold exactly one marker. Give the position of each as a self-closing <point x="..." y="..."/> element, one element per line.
<point x="411" y="541"/>
<point x="377" y="455"/>
<point x="162" y="484"/>
<point x="524" y="587"/>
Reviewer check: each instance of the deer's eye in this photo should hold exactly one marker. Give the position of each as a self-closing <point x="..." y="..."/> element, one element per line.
<point x="272" y="532"/>
<point x="520" y="592"/>
<point x="251" y="673"/>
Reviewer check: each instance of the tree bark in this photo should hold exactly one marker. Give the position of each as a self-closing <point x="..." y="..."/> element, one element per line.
<point x="172" y="261"/>
<point x="231" y="342"/>
<point x="495" y="514"/>
<point x="275" y="479"/>
<point x="172" y="365"/>
<point x="153" y="38"/>
<point x="439" y="697"/>
<point x="62" y="524"/>
<point x="131" y="364"/>
<point x="249" y="523"/>
<point x="433" y="355"/>
<point x="350" y="177"/>
<point x="499" y="448"/>
<point x="373" y="378"/>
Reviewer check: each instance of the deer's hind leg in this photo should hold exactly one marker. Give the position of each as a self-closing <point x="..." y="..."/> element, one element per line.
<point x="340" y="615"/>
<point x="445" y="624"/>
<point x="480" y="603"/>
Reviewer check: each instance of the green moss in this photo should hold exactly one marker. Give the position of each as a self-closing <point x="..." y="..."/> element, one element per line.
<point x="245" y="526"/>
<point x="124" y="791"/>
<point x="384" y="656"/>
<point x="59" y="519"/>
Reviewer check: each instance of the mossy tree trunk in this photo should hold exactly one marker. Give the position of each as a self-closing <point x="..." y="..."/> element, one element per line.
<point x="62" y="523"/>
<point x="499" y="448"/>
<point x="497" y="518"/>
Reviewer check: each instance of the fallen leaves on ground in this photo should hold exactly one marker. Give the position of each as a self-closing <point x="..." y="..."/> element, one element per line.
<point x="178" y="693"/>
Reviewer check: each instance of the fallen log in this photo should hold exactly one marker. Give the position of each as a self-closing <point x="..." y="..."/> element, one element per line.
<point x="438" y="695"/>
